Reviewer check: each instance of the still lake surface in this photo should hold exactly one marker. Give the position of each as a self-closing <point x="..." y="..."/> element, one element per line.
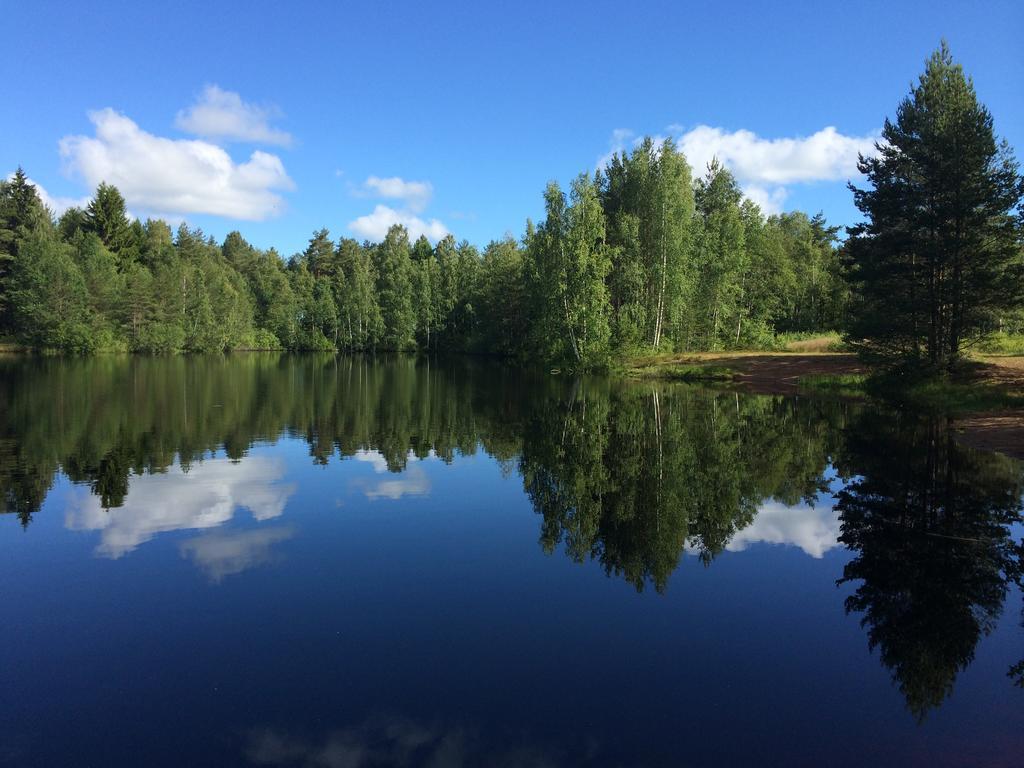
<point x="272" y="560"/>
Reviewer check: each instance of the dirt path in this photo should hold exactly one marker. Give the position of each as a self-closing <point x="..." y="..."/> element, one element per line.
<point x="1003" y="370"/>
<point x="781" y="373"/>
<point x="770" y="372"/>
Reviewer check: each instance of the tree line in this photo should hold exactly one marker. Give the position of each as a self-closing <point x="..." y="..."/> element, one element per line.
<point x="640" y="256"/>
<point x="637" y="257"/>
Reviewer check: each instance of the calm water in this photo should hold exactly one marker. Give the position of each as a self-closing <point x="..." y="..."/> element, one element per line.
<point x="296" y="561"/>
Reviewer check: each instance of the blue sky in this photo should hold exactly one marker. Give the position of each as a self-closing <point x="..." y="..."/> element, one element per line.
<point x="280" y="118"/>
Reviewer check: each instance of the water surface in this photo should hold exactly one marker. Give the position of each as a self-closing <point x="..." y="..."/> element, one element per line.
<point x="326" y="561"/>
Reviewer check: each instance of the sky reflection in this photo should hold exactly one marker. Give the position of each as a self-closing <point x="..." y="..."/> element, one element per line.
<point x="205" y="496"/>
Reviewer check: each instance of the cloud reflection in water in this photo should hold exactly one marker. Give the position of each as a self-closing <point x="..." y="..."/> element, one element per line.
<point x="205" y="496"/>
<point x="815" y="530"/>
<point x="223" y="553"/>
<point x="400" y="741"/>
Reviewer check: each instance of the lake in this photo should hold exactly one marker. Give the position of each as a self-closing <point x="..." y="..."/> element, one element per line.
<point x="273" y="560"/>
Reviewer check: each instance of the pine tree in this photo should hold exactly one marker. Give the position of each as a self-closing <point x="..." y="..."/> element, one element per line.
<point x="319" y="254"/>
<point x="106" y="215"/>
<point x="238" y="253"/>
<point x="21" y="213"/>
<point x="939" y="255"/>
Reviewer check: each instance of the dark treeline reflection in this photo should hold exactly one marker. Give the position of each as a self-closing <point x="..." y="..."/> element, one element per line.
<point x="625" y="473"/>
<point x="101" y="420"/>
<point x="929" y="524"/>
<point x="631" y="475"/>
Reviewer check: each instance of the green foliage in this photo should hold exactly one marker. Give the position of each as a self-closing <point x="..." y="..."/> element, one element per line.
<point x="319" y="256"/>
<point x="48" y="295"/>
<point x="639" y="259"/>
<point x="648" y="199"/>
<point x="721" y="258"/>
<point x="425" y="279"/>
<point x="360" y="317"/>
<point x="106" y="216"/>
<point x="938" y="260"/>
<point x="394" y="290"/>
<point x="1002" y="344"/>
<point x="21" y="213"/>
<point x="501" y="290"/>
<point x="262" y="339"/>
<point x="567" y="265"/>
<point x="150" y="324"/>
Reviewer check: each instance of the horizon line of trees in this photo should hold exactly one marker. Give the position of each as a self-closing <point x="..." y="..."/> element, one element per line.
<point x="641" y="256"/>
<point x="638" y="257"/>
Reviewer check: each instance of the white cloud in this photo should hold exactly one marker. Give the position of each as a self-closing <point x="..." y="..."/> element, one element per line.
<point x="220" y="114"/>
<point x="415" y="194"/>
<point x="823" y="156"/>
<point x="204" y="497"/>
<point x="815" y="530"/>
<point x="221" y="554"/>
<point x="374" y="226"/>
<point x="56" y="203"/>
<point x="768" y="199"/>
<point x="764" y="168"/>
<point x="414" y="197"/>
<point x="175" y="176"/>
<point x="619" y="143"/>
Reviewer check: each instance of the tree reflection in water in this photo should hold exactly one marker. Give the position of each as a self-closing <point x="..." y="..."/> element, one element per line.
<point x="929" y="524"/>
<point x="631" y="475"/>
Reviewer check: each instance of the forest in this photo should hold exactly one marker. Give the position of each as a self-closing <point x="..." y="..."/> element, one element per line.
<point x="645" y="255"/>
<point x="638" y="257"/>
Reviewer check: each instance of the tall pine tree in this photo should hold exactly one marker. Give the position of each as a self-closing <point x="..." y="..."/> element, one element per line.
<point x="939" y="255"/>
